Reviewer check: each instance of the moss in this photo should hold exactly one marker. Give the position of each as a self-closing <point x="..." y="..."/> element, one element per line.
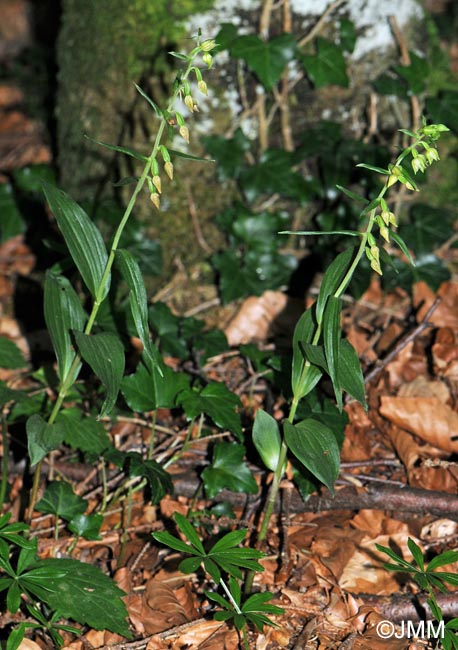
<point x="103" y="47"/>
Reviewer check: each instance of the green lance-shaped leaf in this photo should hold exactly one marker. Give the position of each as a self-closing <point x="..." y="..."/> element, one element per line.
<point x="349" y="373"/>
<point x="334" y="275"/>
<point x="131" y="273"/>
<point x="332" y="337"/>
<point x="303" y="382"/>
<point x="105" y="354"/>
<point x="315" y="445"/>
<point x="83" y="239"/>
<point x="266" y="439"/>
<point x="114" y="147"/>
<point x="63" y="313"/>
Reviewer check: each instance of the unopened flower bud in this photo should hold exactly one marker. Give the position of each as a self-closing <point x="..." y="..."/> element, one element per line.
<point x="168" y="166"/>
<point x="385" y="233"/>
<point x="190" y="103"/>
<point x="207" y="59"/>
<point x="395" y="173"/>
<point x="155" y="200"/>
<point x="184" y="132"/>
<point x="375" y="259"/>
<point x="208" y="45"/>
<point x="202" y="86"/>
<point x="392" y="220"/>
<point x="157" y="183"/>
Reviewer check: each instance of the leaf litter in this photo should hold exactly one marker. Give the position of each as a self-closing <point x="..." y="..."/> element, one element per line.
<point x="322" y="565"/>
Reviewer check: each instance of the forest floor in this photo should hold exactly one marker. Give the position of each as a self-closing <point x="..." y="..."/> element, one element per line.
<point x="398" y="478"/>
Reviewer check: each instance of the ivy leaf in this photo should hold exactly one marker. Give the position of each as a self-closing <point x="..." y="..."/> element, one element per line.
<point x="41" y="438"/>
<point x="215" y="400"/>
<point x="83" y="433"/>
<point x="228" y="471"/>
<point x="147" y="390"/>
<point x="267" y="59"/>
<point x="428" y="228"/>
<point x="159" y="481"/>
<point x="315" y="445"/>
<point x="10" y="355"/>
<point x="327" y="66"/>
<point x="60" y="500"/>
<point x="63" y="313"/>
<point x="11" y="223"/>
<point x="444" y="109"/>
<point x="105" y="354"/>
<point x="82" y="237"/>
<point x="78" y="591"/>
<point x="415" y="74"/>
<point x="87" y="526"/>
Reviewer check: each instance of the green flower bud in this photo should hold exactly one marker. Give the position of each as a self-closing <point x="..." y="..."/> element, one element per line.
<point x="207" y="59"/>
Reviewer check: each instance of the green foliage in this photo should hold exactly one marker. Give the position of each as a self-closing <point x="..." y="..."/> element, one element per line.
<point x="215" y="400"/>
<point x="327" y="66"/>
<point x="10" y="355"/>
<point x="70" y="588"/>
<point x="228" y="471"/>
<point x="429" y="580"/>
<point x="224" y="557"/>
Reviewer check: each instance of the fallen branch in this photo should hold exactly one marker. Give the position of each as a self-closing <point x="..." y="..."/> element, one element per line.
<point x="373" y="497"/>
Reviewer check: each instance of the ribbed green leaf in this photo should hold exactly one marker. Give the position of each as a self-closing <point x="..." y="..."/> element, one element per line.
<point x="334" y="275"/>
<point x="83" y="239"/>
<point x="316" y="447"/>
<point x="352" y="195"/>
<point x="10" y="355"/>
<point x="372" y="168"/>
<point x="303" y="383"/>
<point x="187" y="156"/>
<point x="131" y="273"/>
<point x="105" y="354"/>
<point x="115" y="147"/>
<point x="349" y="372"/>
<point x="189" y="532"/>
<point x="63" y="313"/>
<point x="332" y="334"/>
<point x="266" y="439"/>
<point x="155" y="107"/>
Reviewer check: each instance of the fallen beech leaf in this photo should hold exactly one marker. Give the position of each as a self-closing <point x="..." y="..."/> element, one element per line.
<point x="439" y="529"/>
<point x="28" y="644"/>
<point x="428" y="418"/>
<point x="446" y="314"/>
<point x="260" y="318"/>
<point x="208" y="635"/>
<point x="422" y="387"/>
<point x="161" y="608"/>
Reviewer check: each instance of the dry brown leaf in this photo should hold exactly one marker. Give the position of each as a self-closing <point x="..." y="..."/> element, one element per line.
<point x="439" y="530"/>
<point x="161" y="609"/>
<point x="28" y="644"/>
<point x="364" y="572"/>
<point x="446" y="314"/>
<point x="426" y="417"/>
<point x="423" y="387"/>
<point x="208" y="635"/>
<point x="357" y="445"/>
<point x="261" y="318"/>
<point x="445" y="353"/>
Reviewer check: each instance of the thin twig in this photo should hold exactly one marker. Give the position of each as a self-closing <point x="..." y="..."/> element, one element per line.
<point x="320" y="22"/>
<point x="403" y="343"/>
<point x="405" y="60"/>
<point x="195" y="219"/>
